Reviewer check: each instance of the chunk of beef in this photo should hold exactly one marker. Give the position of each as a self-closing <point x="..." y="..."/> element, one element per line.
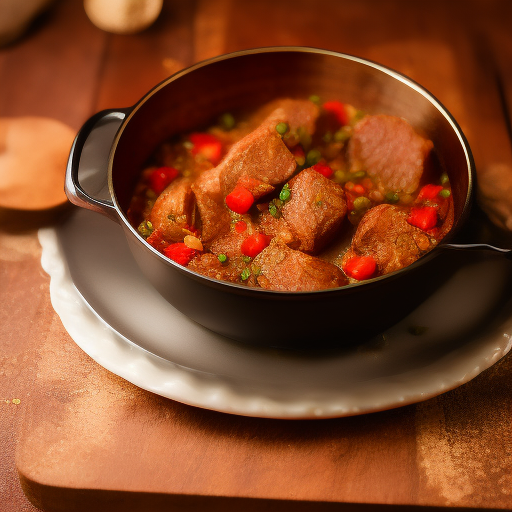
<point x="261" y="155"/>
<point x="256" y="187"/>
<point x="277" y="228"/>
<point x="284" y="269"/>
<point x="230" y="243"/>
<point x="208" y="264"/>
<point x="385" y="234"/>
<point x="215" y="218"/>
<point x="173" y="211"/>
<point x="296" y="113"/>
<point x="315" y="210"/>
<point x="390" y="151"/>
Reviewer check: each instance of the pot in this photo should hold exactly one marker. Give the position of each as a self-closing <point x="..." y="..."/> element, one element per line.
<point x="193" y="98"/>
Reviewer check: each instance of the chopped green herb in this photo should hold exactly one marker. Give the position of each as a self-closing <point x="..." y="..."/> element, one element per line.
<point x="313" y="157"/>
<point x="285" y="193"/>
<point x="245" y="274"/>
<point x="417" y="330"/>
<point x="282" y="128"/>
<point x="222" y="258"/>
<point x="227" y="121"/>
<point x="444" y="179"/>
<point x="314" y="98"/>
<point x="145" y="228"/>
<point x="392" y="197"/>
<point x="247" y="259"/>
<point x="445" y="193"/>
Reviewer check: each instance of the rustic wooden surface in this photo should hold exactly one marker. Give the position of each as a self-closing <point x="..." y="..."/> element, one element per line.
<point x="84" y="439"/>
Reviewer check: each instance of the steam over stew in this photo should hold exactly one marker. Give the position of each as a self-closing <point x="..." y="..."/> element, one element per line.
<point x="296" y="196"/>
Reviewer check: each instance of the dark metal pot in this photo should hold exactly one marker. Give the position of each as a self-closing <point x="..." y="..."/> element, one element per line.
<point x="199" y="94"/>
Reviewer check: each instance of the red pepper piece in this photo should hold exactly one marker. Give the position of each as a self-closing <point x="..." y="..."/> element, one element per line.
<point x="254" y="244"/>
<point x="161" y="177"/>
<point x="157" y="241"/>
<point x="360" y="267"/>
<point x="323" y="169"/>
<point x="338" y="109"/>
<point x="428" y="192"/>
<point x="350" y="200"/>
<point x="358" y="189"/>
<point x="239" y="200"/>
<point x="180" y="253"/>
<point x="206" y="145"/>
<point x="424" y="218"/>
<point x="240" y="226"/>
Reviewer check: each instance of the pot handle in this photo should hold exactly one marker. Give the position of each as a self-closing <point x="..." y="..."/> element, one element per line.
<point x="74" y="190"/>
<point x="479" y="247"/>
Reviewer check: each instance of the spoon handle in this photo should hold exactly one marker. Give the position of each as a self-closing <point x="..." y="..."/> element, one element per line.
<point x="480" y="247"/>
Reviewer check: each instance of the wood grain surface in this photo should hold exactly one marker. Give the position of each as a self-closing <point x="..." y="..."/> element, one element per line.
<point x="76" y="437"/>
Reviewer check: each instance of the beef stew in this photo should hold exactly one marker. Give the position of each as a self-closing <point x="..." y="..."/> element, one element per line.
<point x="296" y="196"/>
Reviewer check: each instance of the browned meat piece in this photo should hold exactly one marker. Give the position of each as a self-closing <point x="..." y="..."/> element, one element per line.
<point x="173" y="211"/>
<point x="277" y="228"/>
<point x="230" y="243"/>
<point x="214" y="215"/>
<point x="390" y="151"/>
<point x="315" y="210"/>
<point x="261" y="155"/>
<point x="296" y="113"/>
<point x="284" y="269"/>
<point x="209" y="265"/>
<point x="385" y="234"/>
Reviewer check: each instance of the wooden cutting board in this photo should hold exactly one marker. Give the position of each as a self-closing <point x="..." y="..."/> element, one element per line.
<point x="81" y="438"/>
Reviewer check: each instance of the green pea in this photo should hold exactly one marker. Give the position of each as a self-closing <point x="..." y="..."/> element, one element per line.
<point x="273" y="209"/>
<point x="444" y="179"/>
<point x="227" y="121"/>
<point x="359" y="175"/>
<point x="222" y="258"/>
<point x="245" y="274"/>
<point x="341" y="176"/>
<point x="282" y="128"/>
<point x="341" y="135"/>
<point x="362" y="203"/>
<point x="445" y="193"/>
<point x="315" y="99"/>
<point x="392" y="197"/>
<point x="313" y="157"/>
<point x="304" y="137"/>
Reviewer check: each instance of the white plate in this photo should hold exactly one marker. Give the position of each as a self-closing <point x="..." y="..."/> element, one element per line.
<point x="116" y="317"/>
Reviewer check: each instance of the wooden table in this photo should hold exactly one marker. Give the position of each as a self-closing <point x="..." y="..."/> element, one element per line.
<point x="80" y="438"/>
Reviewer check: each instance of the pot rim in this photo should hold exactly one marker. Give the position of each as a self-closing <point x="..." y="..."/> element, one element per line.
<point x="275" y="294"/>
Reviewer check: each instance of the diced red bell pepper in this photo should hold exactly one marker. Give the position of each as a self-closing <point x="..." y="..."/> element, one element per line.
<point x="240" y="200"/>
<point x="338" y="109"/>
<point x="161" y="177"/>
<point x="358" y="189"/>
<point x="254" y="244"/>
<point x="180" y="253"/>
<point x="350" y="200"/>
<point x="424" y="218"/>
<point x="240" y="226"/>
<point x="157" y="240"/>
<point x="360" y="267"/>
<point x="323" y="169"/>
<point x="429" y="192"/>
<point x="206" y="145"/>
